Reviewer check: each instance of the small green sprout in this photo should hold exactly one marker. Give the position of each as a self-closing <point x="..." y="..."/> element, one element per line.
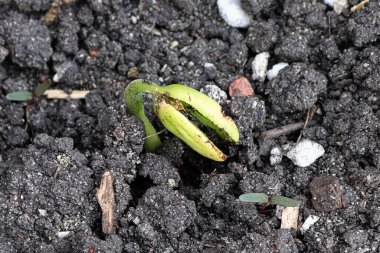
<point x="169" y="102"/>
<point x="25" y="95"/>
<point x="263" y="198"/>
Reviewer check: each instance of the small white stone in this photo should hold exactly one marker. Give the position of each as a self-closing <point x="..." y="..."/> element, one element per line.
<point x="136" y="221"/>
<point x="42" y="212"/>
<point x="273" y="72"/>
<point x="63" y="234"/>
<point x="308" y="223"/>
<point x="3" y="53"/>
<point x="215" y="93"/>
<point x="259" y="66"/>
<point x="174" y="44"/>
<point x="209" y="65"/>
<point x="172" y="183"/>
<point x="305" y="152"/>
<point x="233" y="14"/>
<point x="338" y="5"/>
<point x="134" y="20"/>
<point x="275" y="156"/>
<point x="330" y="2"/>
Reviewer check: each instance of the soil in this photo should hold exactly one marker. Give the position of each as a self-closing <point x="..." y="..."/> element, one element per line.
<point x="53" y="152"/>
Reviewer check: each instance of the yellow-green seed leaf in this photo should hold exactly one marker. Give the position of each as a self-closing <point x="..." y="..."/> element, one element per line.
<point x="205" y="108"/>
<point x="189" y="133"/>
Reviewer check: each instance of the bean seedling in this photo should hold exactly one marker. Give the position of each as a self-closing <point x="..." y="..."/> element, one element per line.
<point x="169" y="102"/>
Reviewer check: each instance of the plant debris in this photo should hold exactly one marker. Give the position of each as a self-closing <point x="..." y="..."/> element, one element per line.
<point x="61" y="94"/>
<point x="106" y="198"/>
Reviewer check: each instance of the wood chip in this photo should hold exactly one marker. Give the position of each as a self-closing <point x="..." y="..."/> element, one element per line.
<point x="52" y="13"/>
<point x="61" y="94"/>
<point x="289" y="218"/>
<point x="106" y="200"/>
<point x="359" y="5"/>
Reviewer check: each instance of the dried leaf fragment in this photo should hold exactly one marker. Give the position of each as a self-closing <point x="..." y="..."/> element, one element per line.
<point x="106" y="199"/>
<point x="61" y="94"/>
<point x="359" y="5"/>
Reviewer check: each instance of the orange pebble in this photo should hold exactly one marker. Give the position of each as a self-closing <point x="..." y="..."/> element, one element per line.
<point x="93" y="52"/>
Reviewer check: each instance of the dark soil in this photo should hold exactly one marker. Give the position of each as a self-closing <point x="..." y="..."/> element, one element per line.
<point x="54" y="152"/>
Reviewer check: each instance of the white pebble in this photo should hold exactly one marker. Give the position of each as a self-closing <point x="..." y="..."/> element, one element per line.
<point x="338" y="5"/>
<point x="63" y="234"/>
<point x="308" y="223"/>
<point x="215" y="93"/>
<point x="259" y="66"/>
<point x="330" y="2"/>
<point x="174" y="44"/>
<point x="233" y="14"/>
<point x="305" y="152"/>
<point x="209" y="65"/>
<point x="172" y="183"/>
<point x="275" y="156"/>
<point x="273" y="72"/>
<point x="134" y="20"/>
<point x="136" y="221"/>
<point x="42" y="212"/>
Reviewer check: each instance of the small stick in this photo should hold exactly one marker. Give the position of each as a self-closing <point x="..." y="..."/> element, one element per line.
<point x="283" y="130"/>
<point x="359" y="5"/>
<point x="329" y="25"/>
<point x="106" y="198"/>
<point x="61" y="94"/>
<point x="310" y="115"/>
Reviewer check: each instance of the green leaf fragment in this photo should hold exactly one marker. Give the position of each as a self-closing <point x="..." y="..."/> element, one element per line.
<point x="20" y="95"/>
<point x="273" y="200"/>
<point x="284" y="201"/>
<point x="254" y="197"/>
<point x="42" y="87"/>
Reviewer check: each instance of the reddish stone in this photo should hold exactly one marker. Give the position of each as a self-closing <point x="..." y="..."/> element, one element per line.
<point x="240" y="87"/>
<point x="326" y="193"/>
<point x="93" y="52"/>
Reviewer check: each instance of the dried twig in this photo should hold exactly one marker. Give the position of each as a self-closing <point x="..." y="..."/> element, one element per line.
<point x="359" y="5"/>
<point x="61" y="94"/>
<point x="283" y="130"/>
<point x="55" y="9"/>
<point x="106" y="199"/>
<point x="309" y="116"/>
